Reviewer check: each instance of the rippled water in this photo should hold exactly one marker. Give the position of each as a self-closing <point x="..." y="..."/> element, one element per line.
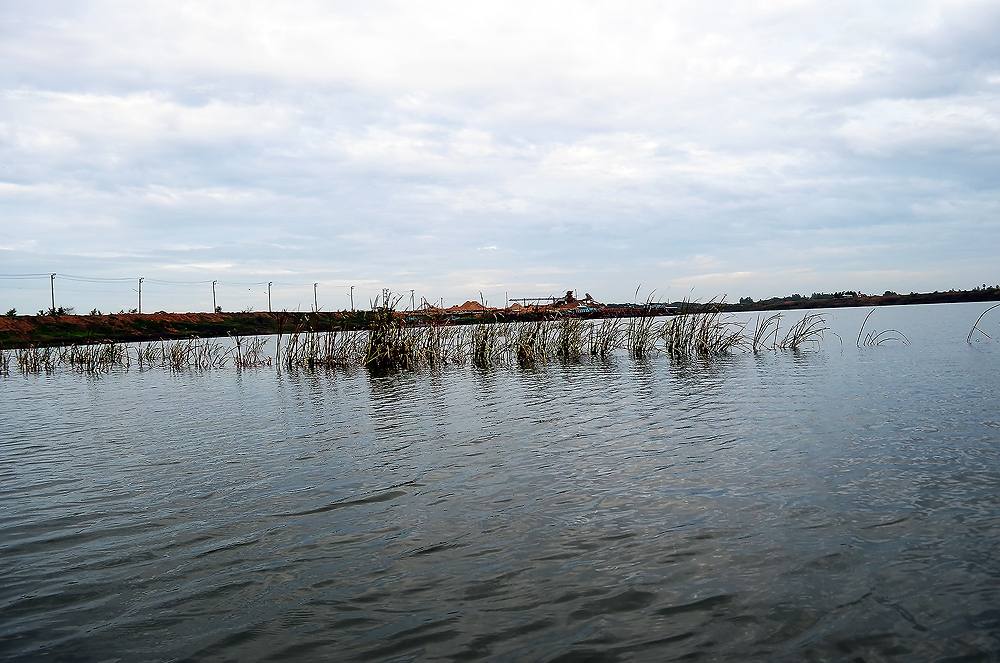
<point x="826" y="505"/>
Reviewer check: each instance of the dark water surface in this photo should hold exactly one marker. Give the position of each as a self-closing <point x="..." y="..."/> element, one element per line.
<point x="835" y="504"/>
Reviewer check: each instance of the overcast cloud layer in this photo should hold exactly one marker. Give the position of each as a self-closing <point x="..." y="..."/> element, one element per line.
<point x="754" y="148"/>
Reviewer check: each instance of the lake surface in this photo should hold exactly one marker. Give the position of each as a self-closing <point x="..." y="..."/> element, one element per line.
<point x="832" y="504"/>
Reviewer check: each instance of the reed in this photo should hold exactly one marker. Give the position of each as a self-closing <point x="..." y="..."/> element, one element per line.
<point x="529" y="342"/>
<point x="763" y="330"/>
<point x="148" y="354"/>
<point x="569" y="342"/>
<point x="248" y="353"/>
<point x="704" y="333"/>
<point x="96" y="357"/>
<point x="37" y="360"/>
<point x="389" y="344"/>
<point x="808" y="330"/>
<point x="604" y="338"/>
<point x="875" y="338"/>
<point x="488" y="344"/>
<point x="640" y="336"/>
<point x="975" y="327"/>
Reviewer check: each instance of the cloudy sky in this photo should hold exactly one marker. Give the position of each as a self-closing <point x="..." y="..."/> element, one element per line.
<point x="698" y="148"/>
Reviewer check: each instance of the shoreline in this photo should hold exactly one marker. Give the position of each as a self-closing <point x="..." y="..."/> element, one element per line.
<point x="47" y="330"/>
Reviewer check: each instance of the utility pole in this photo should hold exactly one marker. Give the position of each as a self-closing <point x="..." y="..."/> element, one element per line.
<point x="352" y="296"/>
<point x="140" y="295"/>
<point x="269" y="296"/>
<point x="214" y="307"/>
<point x="315" y="300"/>
<point x="52" y="286"/>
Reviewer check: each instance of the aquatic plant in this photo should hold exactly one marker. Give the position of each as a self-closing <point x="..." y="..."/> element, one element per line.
<point x="488" y="347"/>
<point x="605" y="338"/>
<point x="976" y="328"/>
<point x="389" y="344"/>
<point x="809" y="329"/>
<point x="249" y="353"/>
<point x="569" y="338"/>
<point x="95" y="357"/>
<point x="704" y="333"/>
<point x="764" y="329"/>
<point x="876" y="338"/>
<point x="36" y="360"/>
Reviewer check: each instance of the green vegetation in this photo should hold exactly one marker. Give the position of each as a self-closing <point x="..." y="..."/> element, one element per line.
<point x="845" y="298"/>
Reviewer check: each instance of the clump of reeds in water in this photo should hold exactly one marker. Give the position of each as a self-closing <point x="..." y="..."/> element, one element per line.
<point x="5" y="357"/>
<point x="37" y="360"/>
<point x="95" y="357"/>
<point x="604" y="338"/>
<point x="332" y="349"/>
<point x="876" y="338"/>
<point x="703" y="333"/>
<point x="249" y="353"/>
<point x="389" y="344"/>
<point x="569" y="338"/>
<point x="977" y="328"/>
<point x="488" y="346"/>
<point x="807" y="331"/>
<point x="528" y="342"/>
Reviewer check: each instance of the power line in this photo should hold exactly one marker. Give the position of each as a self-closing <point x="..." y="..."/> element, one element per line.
<point x="164" y="282"/>
<point x="92" y="279"/>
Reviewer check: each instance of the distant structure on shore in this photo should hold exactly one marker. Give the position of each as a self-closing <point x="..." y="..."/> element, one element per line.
<point x="568" y="304"/>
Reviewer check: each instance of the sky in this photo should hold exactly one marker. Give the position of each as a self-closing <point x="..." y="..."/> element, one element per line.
<point x="518" y="149"/>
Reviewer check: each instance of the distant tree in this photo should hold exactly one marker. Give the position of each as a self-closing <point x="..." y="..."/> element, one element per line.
<point x="218" y="309"/>
<point x="56" y="312"/>
<point x="11" y="313"/>
<point x="746" y="301"/>
<point x="890" y="293"/>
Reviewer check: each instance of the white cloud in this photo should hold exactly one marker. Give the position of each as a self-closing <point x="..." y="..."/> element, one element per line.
<point x="888" y="127"/>
<point x="754" y="145"/>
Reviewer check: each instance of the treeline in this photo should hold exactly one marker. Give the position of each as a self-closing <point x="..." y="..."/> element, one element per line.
<point x="845" y="298"/>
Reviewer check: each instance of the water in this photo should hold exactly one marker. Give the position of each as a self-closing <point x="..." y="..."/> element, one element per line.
<point x="826" y="505"/>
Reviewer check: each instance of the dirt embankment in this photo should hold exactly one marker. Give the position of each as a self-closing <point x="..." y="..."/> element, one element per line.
<point x="21" y="331"/>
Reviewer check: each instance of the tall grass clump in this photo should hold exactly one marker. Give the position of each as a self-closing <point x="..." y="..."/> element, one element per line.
<point x="488" y="346"/>
<point x="33" y="359"/>
<point x="333" y="349"/>
<point x="248" y="353"/>
<point x="440" y="344"/>
<point x="703" y="333"/>
<point x="195" y="353"/>
<point x="569" y="340"/>
<point x="95" y="357"/>
<point x="765" y="334"/>
<point x="808" y="330"/>
<point x="604" y="338"/>
<point x="389" y="345"/>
